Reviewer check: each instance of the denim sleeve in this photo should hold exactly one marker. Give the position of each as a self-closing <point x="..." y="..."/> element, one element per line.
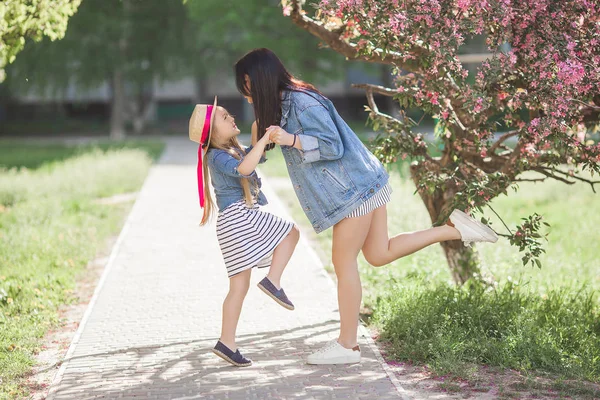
<point x="227" y="164"/>
<point x="262" y="158"/>
<point x="320" y="138"/>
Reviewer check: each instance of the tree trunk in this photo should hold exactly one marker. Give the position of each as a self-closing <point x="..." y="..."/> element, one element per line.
<point x="463" y="261"/>
<point x="143" y="109"/>
<point x="117" y="117"/>
<point x="118" y="111"/>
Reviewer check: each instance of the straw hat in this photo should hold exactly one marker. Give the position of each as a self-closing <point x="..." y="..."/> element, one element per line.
<point x="201" y="125"/>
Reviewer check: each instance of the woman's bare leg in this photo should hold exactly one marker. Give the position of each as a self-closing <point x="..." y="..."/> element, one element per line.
<point x="348" y="238"/>
<point x="379" y="249"/>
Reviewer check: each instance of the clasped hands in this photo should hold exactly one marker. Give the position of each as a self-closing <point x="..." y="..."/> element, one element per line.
<point x="276" y="134"/>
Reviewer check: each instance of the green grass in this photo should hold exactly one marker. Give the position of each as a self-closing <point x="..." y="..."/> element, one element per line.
<point x="50" y="228"/>
<point x="34" y="155"/>
<point x="51" y="126"/>
<point x="535" y="320"/>
<point x="511" y="327"/>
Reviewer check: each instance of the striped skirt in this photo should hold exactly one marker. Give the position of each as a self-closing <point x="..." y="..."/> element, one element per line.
<point x="377" y="200"/>
<point x="248" y="236"/>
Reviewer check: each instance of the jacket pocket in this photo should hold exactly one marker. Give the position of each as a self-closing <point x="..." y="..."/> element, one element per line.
<point x="334" y="180"/>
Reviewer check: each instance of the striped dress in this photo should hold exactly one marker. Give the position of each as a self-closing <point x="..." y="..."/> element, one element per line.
<point x="248" y="236"/>
<point x="380" y="198"/>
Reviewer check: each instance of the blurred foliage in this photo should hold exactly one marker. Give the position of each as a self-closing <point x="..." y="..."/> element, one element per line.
<point x="163" y="40"/>
<point x="233" y="30"/>
<point x="145" y="40"/>
<point x="33" y="19"/>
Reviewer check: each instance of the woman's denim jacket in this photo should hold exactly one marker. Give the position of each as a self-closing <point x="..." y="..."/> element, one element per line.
<point x="226" y="180"/>
<point x="334" y="173"/>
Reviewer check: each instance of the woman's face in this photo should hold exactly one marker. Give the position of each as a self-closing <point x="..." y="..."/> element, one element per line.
<point x="248" y="98"/>
<point x="224" y="127"/>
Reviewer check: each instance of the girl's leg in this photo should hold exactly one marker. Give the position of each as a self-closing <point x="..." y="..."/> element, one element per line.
<point x="348" y="238"/>
<point x="281" y="256"/>
<point x="379" y="250"/>
<point x="232" y="307"/>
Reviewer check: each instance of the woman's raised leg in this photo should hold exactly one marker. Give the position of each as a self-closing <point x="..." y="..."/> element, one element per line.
<point x="379" y="249"/>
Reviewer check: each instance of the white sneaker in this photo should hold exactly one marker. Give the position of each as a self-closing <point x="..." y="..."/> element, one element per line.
<point x="334" y="353"/>
<point x="471" y="230"/>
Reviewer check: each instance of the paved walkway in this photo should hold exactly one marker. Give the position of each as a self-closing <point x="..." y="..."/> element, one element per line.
<point x="148" y="331"/>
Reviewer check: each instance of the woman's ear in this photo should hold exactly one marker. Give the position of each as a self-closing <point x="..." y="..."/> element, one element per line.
<point x="247" y="80"/>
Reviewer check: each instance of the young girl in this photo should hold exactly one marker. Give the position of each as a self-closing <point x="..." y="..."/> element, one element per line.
<point x="339" y="184"/>
<point x="248" y="237"/>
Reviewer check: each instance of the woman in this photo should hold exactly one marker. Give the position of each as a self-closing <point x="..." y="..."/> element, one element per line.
<point x="339" y="184"/>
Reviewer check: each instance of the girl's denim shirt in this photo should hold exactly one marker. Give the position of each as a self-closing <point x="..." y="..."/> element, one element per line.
<point x="226" y="180"/>
<point x="334" y="173"/>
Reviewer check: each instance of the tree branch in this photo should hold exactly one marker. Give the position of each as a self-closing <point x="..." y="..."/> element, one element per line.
<point x="513" y="157"/>
<point x="558" y="178"/>
<point x="549" y="172"/>
<point x="376" y="88"/>
<point x="375" y="110"/>
<point x="493" y="164"/>
<point x="337" y="43"/>
<point x="502" y="139"/>
<point x="500" y="218"/>
<point x="457" y="119"/>
<point x="590" y="111"/>
<point x="373" y="104"/>
<point x="587" y="105"/>
<point x="392" y="92"/>
<point x="530" y="180"/>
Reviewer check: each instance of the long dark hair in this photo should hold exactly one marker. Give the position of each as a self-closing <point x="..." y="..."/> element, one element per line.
<point x="268" y="77"/>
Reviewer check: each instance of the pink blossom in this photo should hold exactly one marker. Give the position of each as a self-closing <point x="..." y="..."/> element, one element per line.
<point x="570" y="72"/>
<point x="478" y="105"/>
<point x="433" y="97"/>
<point x="552" y="65"/>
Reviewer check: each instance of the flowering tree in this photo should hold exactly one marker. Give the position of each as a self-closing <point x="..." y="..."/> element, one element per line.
<point x="532" y="107"/>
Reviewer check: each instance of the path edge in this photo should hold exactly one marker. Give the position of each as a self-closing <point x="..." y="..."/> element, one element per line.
<point x="90" y="307"/>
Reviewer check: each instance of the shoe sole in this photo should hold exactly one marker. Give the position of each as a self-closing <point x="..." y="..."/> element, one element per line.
<point x="281" y="303"/>
<point x="482" y="229"/>
<point x="334" y="361"/>
<point x="229" y="360"/>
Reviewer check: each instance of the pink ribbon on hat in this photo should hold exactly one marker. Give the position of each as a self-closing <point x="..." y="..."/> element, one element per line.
<point x="203" y="140"/>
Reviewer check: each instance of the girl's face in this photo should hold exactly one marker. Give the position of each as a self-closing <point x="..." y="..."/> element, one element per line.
<point x="248" y="98"/>
<point x="224" y="127"/>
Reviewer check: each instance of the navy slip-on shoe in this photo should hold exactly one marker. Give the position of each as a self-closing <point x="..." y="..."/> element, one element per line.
<point x="276" y="294"/>
<point x="236" y="358"/>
